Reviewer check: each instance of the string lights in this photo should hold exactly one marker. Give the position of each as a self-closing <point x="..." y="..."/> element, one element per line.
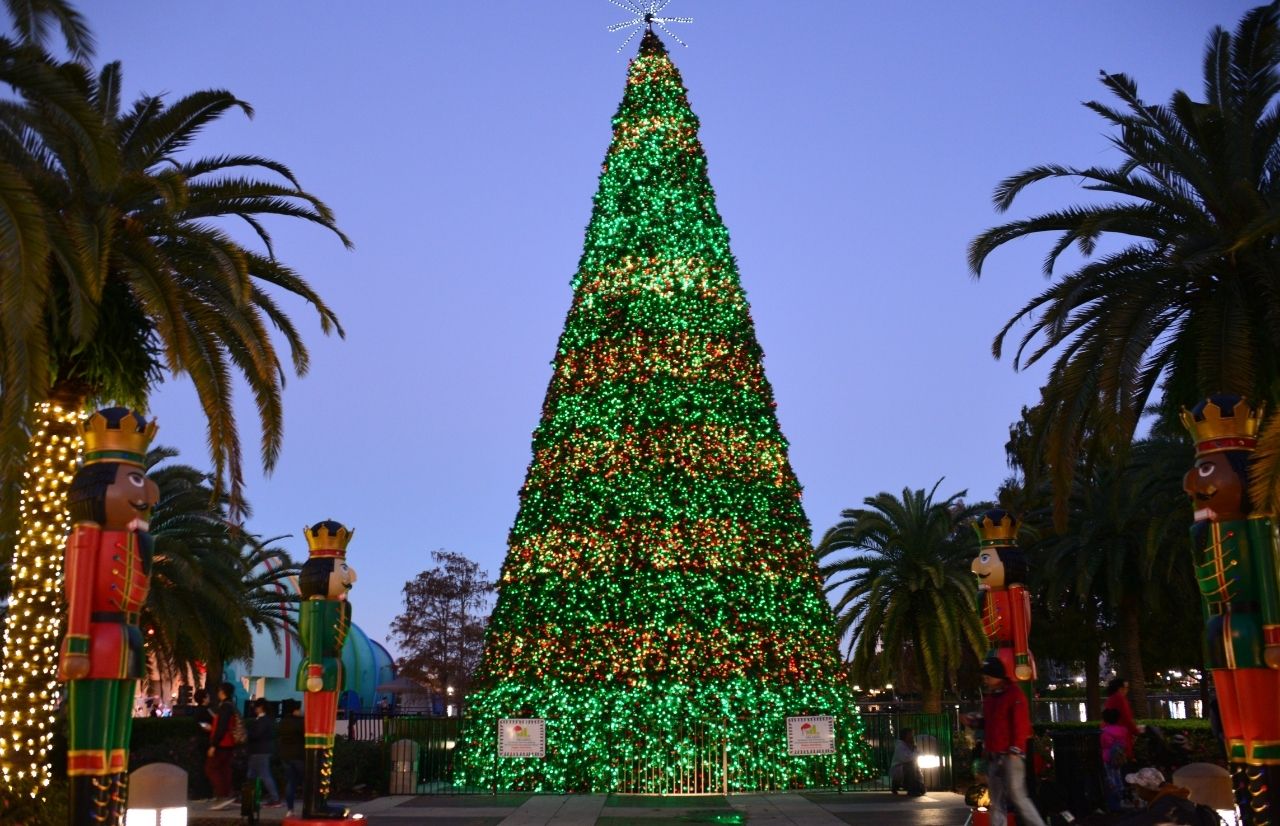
<point x="646" y="18"/>
<point x="660" y="571"/>
<point x="28" y="684"/>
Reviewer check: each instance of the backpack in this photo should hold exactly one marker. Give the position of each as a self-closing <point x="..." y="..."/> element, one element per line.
<point x="235" y="735"/>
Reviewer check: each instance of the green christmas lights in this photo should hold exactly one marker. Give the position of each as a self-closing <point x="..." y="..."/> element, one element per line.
<point x="660" y="605"/>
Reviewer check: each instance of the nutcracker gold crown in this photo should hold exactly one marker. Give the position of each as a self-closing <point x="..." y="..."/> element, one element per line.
<point x="116" y="434"/>
<point x="1223" y="423"/>
<point x="328" y="538"/>
<point x="997" y="527"/>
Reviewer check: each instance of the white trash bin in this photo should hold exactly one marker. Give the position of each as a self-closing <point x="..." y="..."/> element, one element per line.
<point x="404" y="767"/>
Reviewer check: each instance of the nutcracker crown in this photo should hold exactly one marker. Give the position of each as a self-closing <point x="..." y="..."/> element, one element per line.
<point x="116" y="434"/>
<point x="997" y="527"/>
<point x="1223" y="422"/>
<point x="328" y="538"/>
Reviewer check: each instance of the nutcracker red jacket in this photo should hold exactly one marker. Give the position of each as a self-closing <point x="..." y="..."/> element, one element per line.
<point x="1006" y="720"/>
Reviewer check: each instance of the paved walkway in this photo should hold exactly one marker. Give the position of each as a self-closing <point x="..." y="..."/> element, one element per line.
<point x="801" y="809"/>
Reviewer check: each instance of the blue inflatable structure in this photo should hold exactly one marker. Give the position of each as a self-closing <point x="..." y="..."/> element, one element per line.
<point x="272" y="673"/>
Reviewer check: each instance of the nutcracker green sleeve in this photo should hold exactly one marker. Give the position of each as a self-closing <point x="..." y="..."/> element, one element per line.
<point x="1266" y="574"/>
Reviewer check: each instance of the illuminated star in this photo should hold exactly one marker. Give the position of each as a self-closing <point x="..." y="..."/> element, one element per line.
<point x="646" y="16"/>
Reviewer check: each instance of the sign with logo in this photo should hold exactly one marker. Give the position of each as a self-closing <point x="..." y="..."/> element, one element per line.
<point x="811" y="735"/>
<point x="522" y="738"/>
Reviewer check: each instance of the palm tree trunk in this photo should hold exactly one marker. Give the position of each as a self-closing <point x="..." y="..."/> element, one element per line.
<point x="931" y="699"/>
<point x="213" y="675"/>
<point x="29" y="688"/>
<point x="1131" y="653"/>
<point x="1093" y="687"/>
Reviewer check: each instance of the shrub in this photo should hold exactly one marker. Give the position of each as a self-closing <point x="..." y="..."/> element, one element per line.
<point x="51" y="810"/>
<point x="176" y="740"/>
<point x="359" y="769"/>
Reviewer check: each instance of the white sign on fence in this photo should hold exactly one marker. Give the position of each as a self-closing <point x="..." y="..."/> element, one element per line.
<point x="811" y="735"/>
<point x="522" y="738"/>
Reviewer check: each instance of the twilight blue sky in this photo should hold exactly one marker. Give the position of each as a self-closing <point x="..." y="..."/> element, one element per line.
<point x="853" y="147"/>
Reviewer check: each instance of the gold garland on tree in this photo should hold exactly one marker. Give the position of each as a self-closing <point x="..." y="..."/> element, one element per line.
<point x="28" y="681"/>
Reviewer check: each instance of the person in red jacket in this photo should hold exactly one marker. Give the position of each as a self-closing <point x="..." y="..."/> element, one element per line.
<point x="1006" y="730"/>
<point x="1118" y="699"/>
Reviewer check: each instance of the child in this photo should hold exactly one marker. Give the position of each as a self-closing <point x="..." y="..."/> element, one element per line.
<point x="1115" y="740"/>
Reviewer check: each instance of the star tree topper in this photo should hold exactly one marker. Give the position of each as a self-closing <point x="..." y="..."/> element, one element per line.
<point x="646" y="17"/>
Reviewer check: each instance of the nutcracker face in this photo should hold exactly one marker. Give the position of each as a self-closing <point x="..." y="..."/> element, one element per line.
<point x="129" y="498"/>
<point x="989" y="568"/>
<point x="341" y="580"/>
<point x="1215" y="488"/>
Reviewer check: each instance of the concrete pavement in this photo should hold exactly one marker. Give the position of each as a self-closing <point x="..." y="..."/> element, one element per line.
<point x="800" y="808"/>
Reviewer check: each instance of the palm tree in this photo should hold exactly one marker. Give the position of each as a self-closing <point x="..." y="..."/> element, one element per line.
<point x="212" y="585"/>
<point x="268" y="603"/>
<point x="906" y="587"/>
<point x="1123" y="550"/>
<point x="131" y="271"/>
<point x="1182" y="302"/>
<point x="140" y="273"/>
<point x="33" y="19"/>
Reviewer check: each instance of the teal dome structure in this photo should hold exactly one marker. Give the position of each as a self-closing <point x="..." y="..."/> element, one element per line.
<point x="271" y="673"/>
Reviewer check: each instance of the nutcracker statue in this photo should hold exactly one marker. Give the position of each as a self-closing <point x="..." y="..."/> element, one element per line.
<point x="324" y="618"/>
<point x="1236" y="569"/>
<point x="107" y="572"/>
<point x="1003" y="601"/>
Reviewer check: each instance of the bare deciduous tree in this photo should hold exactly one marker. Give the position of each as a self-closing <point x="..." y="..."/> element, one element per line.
<point x="441" y="629"/>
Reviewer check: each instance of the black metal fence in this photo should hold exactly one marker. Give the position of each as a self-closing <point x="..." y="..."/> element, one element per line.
<point x="422" y="752"/>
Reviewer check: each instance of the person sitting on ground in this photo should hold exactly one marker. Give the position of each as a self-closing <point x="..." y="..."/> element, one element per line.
<point x="1149" y="785"/>
<point x="904" y="772"/>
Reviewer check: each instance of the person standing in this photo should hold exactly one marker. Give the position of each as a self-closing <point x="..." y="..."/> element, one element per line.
<point x="262" y="747"/>
<point x="222" y="746"/>
<point x="1007" y="728"/>
<point x="204" y="717"/>
<point x="1118" y="699"/>
<point x="1112" y="739"/>
<point x="291" y="735"/>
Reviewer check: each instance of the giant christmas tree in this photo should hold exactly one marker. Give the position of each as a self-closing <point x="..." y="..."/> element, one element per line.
<point x="660" y="604"/>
